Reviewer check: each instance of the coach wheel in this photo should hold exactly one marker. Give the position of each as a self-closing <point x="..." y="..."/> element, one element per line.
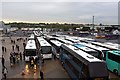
<point x="116" y="72"/>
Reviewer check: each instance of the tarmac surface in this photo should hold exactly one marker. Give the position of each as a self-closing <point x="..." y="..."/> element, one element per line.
<point x="51" y="68"/>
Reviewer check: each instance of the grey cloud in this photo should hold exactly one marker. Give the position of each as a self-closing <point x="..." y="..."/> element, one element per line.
<point x="78" y="12"/>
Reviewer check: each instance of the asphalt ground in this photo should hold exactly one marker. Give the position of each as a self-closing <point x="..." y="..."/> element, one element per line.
<point x="52" y="68"/>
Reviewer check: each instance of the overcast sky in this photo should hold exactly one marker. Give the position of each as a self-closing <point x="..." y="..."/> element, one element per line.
<point x="63" y="12"/>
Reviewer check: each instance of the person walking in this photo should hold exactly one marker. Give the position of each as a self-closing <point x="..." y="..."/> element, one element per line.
<point x="11" y="41"/>
<point x="14" y="53"/>
<point x="32" y="62"/>
<point x="24" y="45"/>
<point x="41" y="75"/>
<point x="11" y="54"/>
<point x="2" y="48"/>
<point x="36" y="59"/>
<point x="3" y="61"/>
<point x="18" y="48"/>
<point x="13" y="47"/>
<point x="14" y="41"/>
<point x="5" y="71"/>
<point x="13" y="59"/>
<point x="20" y="56"/>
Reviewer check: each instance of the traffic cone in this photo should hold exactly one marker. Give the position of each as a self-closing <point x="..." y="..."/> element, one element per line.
<point x="23" y="72"/>
<point x="34" y="71"/>
<point x="34" y="68"/>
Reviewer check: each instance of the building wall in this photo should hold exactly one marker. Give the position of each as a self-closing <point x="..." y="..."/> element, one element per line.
<point x="4" y="28"/>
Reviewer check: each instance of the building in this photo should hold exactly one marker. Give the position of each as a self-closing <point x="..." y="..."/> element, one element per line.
<point x="116" y="32"/>
<point x="4" y="28"/>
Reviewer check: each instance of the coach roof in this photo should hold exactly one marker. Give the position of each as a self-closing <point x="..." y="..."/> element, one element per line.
<point x="30" y="45"/>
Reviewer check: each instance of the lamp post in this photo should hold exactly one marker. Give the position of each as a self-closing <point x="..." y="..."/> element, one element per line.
<point x="93" y="24"/>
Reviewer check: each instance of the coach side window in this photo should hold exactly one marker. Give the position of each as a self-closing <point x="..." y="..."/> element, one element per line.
<point x="114" y="57"/>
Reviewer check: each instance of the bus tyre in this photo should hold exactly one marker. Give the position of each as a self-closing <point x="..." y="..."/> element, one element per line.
<point x="116" y="72"/>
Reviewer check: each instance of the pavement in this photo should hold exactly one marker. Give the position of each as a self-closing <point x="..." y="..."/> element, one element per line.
<point x="51" y="68"/>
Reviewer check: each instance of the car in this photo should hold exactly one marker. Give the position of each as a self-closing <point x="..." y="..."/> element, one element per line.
<point x="100" y="36"/>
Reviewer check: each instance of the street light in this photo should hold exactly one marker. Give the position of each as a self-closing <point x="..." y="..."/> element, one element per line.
<point x="93" y="24"/>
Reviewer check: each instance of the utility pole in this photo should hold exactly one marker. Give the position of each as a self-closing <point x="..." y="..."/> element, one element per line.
<point x="93" y="24"/>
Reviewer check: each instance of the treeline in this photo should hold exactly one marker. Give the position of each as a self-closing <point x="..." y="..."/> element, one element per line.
<point x="46" y="25"/>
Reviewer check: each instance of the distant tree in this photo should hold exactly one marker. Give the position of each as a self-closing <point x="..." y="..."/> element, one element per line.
<point x="74" y="28"/>
<point x="100" y="24"/>
<point x="19" y="28"/>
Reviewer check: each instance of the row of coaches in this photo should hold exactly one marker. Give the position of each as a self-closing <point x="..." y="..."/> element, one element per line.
<point x="78" y="59"/>
<point x="109" y="52"/>
<point x="78" y="63"/>
<point x="37" y="47"/>
<point x="81" y="65"/>
<point x="111" y="56"/>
